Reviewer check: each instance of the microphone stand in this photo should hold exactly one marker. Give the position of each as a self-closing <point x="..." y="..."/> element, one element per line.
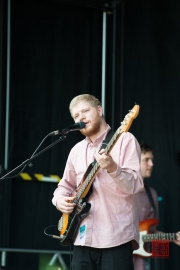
<point x="28" y="161"/>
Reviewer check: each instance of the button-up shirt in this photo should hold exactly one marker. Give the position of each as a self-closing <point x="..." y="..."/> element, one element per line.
<point x="112" y="219"/>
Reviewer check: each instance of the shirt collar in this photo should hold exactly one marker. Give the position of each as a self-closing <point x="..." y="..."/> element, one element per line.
<point x="100" y="138"/>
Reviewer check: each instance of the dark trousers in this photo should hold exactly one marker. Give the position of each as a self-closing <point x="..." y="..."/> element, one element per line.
<point x="115" y="258"/>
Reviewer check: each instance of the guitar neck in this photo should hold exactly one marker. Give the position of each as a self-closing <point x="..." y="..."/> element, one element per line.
<point x="159" y="237"/>
<point x="89" y="179"/>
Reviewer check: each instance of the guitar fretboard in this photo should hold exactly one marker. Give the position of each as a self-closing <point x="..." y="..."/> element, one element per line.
<point x="159" y="237"/>
<point x="96" y="166"/>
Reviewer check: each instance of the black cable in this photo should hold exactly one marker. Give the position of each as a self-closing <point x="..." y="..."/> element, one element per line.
<point x="51" y="235"/>
<point x="58" y="237"/>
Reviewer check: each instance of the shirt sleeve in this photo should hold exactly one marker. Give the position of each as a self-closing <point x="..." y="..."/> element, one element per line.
<point x="66" y="187"/>
<point x="128" y="175"/>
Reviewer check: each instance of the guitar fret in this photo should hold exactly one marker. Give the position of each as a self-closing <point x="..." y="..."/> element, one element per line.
<point x="173" y="236"/>
<point x="159" y="236"/>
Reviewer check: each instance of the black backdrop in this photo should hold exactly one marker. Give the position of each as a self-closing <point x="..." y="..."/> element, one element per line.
<point x="56" y="54"/>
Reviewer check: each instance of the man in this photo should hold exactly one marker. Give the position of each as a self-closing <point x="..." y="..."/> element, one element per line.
<point x="107" y="236"/>
<point x="145" y="208"/>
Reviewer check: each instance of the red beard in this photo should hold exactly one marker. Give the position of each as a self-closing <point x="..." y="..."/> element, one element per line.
<point x="94" y="129"/>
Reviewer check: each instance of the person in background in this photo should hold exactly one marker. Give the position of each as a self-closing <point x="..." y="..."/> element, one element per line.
<point x="106" y="237"/>
<point x="145" y="208"/>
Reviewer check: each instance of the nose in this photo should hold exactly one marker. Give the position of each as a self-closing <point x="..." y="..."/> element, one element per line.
<point x="151" y="163"/>
<point x="81" y="117"/>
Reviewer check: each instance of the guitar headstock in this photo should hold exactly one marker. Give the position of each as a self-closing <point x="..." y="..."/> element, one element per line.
<point x="128" y="119"/>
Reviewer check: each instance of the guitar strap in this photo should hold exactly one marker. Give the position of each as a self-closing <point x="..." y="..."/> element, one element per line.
<point x="107" y="139"/>
<point x="105" y="142"/>
<point x="148" y="192"/>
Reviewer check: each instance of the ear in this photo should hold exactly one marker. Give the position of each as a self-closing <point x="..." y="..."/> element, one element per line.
<point x="100" y="110"/>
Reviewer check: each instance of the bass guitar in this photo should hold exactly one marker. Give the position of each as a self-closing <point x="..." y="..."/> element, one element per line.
<point x="145" y="237"/>
<point x="69" y="223"/>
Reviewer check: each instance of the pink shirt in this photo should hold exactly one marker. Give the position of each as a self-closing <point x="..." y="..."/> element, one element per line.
<point x="112" y="219"/>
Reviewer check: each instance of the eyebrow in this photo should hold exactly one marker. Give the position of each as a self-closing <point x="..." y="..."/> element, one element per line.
<point x="81" y="111"/>
<point x="147" y="158"/>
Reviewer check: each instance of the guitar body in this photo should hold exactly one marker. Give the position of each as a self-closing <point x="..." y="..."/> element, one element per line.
<point x="145" y="237"/>
<point x="144" y="227"/>
<point x="68" y="224"/>
<point x="74" y="220"/>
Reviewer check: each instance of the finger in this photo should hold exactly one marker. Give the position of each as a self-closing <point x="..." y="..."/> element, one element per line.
<point x="68" y="204"/>
<point x="70" y="198"/>
<point x="64" y="203"/>
<point x="102" y="151"/>
<point x="66" y="209"/>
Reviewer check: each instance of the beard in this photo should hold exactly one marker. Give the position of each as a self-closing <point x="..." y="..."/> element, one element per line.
<point x="94" y="129"/>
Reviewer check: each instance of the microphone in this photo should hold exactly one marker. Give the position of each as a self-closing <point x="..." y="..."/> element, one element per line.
<point x="74" y="127"/>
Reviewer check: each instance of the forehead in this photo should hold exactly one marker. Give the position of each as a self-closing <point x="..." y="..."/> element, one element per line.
<point x="80" y="106"/>
<point x="147" y="155"/>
